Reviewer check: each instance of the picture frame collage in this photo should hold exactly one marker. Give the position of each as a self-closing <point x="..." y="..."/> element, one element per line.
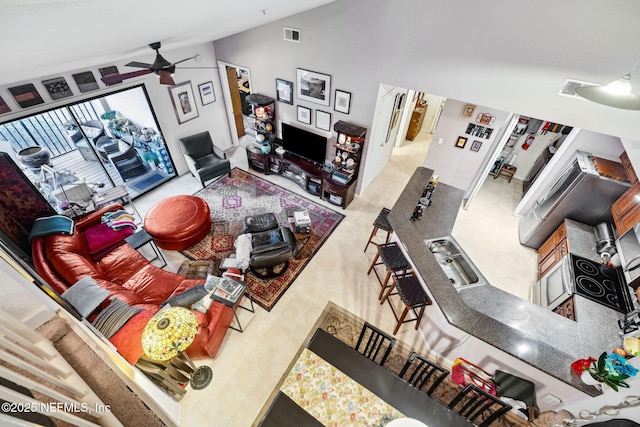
<point x="313" y="87"/>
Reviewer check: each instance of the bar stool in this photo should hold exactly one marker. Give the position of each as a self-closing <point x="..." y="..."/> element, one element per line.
<point x="391" y="256"/>
<point x="412" y="295"/>
<point x="381" y="223"/>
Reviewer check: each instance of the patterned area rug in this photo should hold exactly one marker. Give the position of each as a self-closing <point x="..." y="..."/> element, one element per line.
<point x="233" y="198"/>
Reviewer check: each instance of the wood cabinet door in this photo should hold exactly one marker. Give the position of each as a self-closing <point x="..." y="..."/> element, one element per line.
<point x="628" y="167"/>
<point x="626" y="210"/>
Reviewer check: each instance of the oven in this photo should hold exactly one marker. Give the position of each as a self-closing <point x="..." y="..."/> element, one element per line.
<point x="589" y="279"/>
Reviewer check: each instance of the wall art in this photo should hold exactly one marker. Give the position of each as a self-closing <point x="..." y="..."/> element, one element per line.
<point x="485" y="119"/>
<point x="461" y="142"/>
<point x="86" y="81"/>
<point x="4" y="108"/>
<point x="284" y="89"/>
<point x="184" y="103"/>
<point x="207" y="95"/>
<point x="323" y="120"/>
<point x="313" y="87"/>
<point x="304" y="114"/>
<point x="475" y="146"/>
<point x="342" y="102"/>
<point x="58" y="88"/>
<point x="26" y="95"/>
<point x="108" y="72"/>
<point x="468" y="110"/>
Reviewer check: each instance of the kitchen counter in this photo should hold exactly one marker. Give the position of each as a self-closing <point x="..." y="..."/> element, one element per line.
<point x="492" y="315"/>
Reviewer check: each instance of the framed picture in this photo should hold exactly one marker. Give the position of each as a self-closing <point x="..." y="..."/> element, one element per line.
<point x="284" y="89"/>
<point x="207" y="96"/>
<point x="184" y="103"/>
<point x="485" y="119"/>
<point x="86" y="81"/>
<point x="4" y="108"/>
<point x="342" y="103"/>
<point x="313" y="87"/>
<point x="475" y="146"/>
<point x="304" y="114"/>
<point x="323" y="120"/>
<point x="26" y="95"/>
<point x="108" y="72"/>
<point x="461" y="142"/>
<point x="468" y="110"/>
<point x="57" y="88"/>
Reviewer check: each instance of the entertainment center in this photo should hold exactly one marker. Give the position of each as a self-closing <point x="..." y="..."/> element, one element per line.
<point x="303" y="159"/>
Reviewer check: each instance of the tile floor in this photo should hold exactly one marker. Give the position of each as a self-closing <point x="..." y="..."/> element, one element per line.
<point x="250" y="364"/>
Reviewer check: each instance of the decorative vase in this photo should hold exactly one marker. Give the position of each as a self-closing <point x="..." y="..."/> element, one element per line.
<point x="588" y="379"/>
<point x="34" y="157"/>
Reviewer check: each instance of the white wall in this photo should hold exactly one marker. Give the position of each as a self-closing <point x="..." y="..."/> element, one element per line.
<point x="526" y="158"/>
<point x="457" y="167"/>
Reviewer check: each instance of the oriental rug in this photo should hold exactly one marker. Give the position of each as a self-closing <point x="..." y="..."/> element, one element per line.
<point x="234" y="197"/>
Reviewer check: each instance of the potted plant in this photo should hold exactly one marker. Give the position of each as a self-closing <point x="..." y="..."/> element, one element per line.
<point x="610" y="369"/>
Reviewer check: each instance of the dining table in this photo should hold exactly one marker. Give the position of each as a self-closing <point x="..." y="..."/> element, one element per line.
<point x="331" y="383"/>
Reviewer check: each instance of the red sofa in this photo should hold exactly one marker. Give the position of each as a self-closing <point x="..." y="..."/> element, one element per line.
<point x="61" y="260"/>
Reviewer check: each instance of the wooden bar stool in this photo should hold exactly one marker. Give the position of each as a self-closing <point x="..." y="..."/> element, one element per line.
<point x="381" y="223"/>
<point x="412" y="295"/>
<point x="391" y="256"/>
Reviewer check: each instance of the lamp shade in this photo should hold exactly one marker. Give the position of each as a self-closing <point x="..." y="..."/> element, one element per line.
<point x="169" y="333"/>
<point x="616" y="94"/>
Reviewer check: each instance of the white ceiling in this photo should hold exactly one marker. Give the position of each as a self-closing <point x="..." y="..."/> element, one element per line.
<point x="43" y="37"/>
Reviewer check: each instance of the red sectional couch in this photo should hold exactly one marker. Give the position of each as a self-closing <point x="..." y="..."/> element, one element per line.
<point x="61" y="260"/>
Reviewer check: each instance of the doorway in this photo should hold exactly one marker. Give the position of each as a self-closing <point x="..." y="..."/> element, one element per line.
<point x="236" y="86"/>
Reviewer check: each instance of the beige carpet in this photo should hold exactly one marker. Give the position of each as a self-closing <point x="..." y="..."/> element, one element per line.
<point x="346" y="326"/>
<point x="125" y="405"/>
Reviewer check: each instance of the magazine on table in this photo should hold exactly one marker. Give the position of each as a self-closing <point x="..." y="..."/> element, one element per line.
<point x="228" y="289"/>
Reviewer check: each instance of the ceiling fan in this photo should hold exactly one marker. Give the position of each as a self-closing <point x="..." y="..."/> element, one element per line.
<point x="161" y="67"/>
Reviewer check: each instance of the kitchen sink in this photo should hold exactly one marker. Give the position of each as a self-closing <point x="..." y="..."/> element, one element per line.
<point x="455" y="263"/>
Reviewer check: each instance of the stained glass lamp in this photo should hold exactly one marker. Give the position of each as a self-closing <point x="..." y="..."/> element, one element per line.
<point x="169" y="333"/>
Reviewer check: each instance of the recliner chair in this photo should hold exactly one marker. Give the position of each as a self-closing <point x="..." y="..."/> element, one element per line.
<point x="271" y="251"/>
<point x="205" y="160"/>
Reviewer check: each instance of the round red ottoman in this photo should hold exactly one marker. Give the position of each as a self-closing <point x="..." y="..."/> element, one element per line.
<point x="178" y="222"/>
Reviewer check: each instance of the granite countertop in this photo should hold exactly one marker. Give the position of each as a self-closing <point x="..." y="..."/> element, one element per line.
<point x="507" y="322"/>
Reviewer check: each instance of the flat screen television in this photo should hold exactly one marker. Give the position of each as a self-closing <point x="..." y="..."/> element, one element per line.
<point x="304" y="144"/>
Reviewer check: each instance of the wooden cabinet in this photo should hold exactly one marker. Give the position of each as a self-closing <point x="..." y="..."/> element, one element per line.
<point x="257" y="160"/>
<point x="552" y="250"/>
<point x="415" y="124"/>
<point x="566" y="309"/>
<point x="626" y="210"/>
<point x="628" y="167"/>
<point x="338" y="194"/>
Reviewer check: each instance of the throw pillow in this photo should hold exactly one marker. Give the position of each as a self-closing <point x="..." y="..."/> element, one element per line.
<point x="85" y="295"/>
<point x="186" y="298"/>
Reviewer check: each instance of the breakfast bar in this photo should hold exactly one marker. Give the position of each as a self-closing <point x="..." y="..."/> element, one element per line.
<point x="530" y="333"/>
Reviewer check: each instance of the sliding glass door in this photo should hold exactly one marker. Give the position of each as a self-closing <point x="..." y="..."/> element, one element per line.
<point x="74" y="152"/>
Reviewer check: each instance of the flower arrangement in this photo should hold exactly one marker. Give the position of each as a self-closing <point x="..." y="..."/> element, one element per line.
<point x="611" y="369"/>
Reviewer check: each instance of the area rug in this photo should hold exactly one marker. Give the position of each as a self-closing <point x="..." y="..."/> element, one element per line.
<point x="148" y="181"/>
<point x="234" y="197"/>
<point x="346" y="326"/>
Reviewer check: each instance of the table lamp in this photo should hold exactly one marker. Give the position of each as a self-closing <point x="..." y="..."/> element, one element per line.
<point x="169" y="333"/>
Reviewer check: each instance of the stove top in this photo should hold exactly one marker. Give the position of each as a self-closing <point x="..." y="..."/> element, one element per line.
<point x="600" y="283"/>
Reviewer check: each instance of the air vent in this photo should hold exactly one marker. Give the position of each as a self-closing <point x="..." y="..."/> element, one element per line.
<point x="569" y="87"/>
<point x="291" y="35"/>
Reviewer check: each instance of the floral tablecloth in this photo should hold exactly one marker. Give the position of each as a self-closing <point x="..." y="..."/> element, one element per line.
<point x="332" y="397"/>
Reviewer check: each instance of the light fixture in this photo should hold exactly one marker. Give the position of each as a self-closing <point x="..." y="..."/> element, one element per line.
<point x="169" y="333"/>
<point x="617" y="94"/>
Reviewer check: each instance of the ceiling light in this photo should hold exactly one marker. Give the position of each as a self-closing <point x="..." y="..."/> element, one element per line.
<point x="617" y="94"/>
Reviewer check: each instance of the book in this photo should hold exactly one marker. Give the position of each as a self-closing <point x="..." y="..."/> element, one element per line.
<point x="228" y="289"/>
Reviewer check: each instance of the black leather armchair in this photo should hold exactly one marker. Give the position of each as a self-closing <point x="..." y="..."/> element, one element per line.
<point x="271" y="252"/>
<point x="205" y="160"/>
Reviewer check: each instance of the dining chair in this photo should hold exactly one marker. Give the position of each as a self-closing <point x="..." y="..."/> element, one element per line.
<point x="478" y="406"/>
<point x="376" y="345"/>
<point x="420" y="372"/>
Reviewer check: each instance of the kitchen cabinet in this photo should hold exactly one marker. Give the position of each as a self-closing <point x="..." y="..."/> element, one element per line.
<point x="417" y="118"/>
<point x="566" y="309"/>
<point x="552" y="250"/>
<point x="628" y="167"/>
<point x="626" y="209"/>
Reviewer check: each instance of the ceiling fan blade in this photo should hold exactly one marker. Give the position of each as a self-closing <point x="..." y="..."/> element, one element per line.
<point x="119" y="78"/>
<point x="165" y="78"/>
<point x="183" y="60"/>
<point x="138" y="64"/>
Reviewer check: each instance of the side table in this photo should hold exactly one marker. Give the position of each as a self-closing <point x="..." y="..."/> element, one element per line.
<point x="141" y="238"/>
<point x="230" y="292"/>
<point x="303" y="239"/>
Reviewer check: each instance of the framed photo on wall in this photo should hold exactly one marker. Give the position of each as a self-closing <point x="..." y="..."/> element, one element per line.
<point x="4" y="108"/>
<point x="304" y="114"/>
<point x="468" y="110"/>
<point x="184" y="103"/>
<point x="342" y="103"/>
<point x="58" y="88"/>
<point x="284" y="89"/>
<point x="26" y="95"/>
<point x="475" y="146"/>
<point x="207" y="96"/>
<point x="323" y="120"/>
<point x="86" y="81"/>
<point x="461" y="142"/>
<point x="313" y="87"/>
